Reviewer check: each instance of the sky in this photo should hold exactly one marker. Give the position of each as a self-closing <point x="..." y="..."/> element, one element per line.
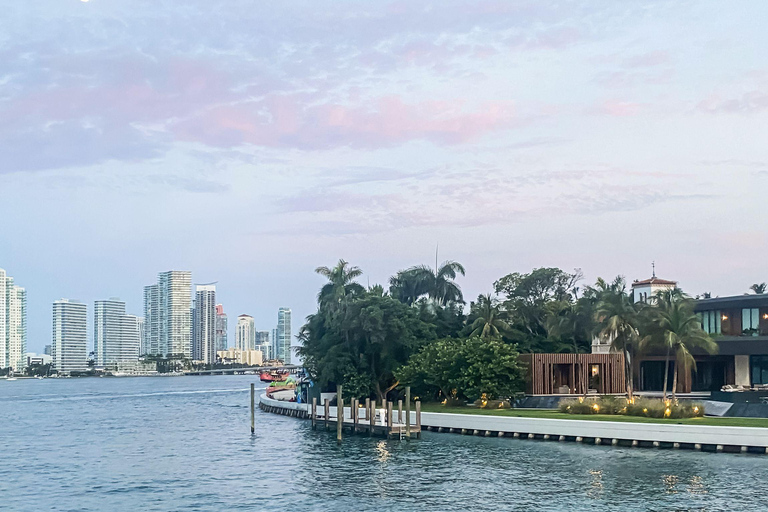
<point x="250" y="142"/>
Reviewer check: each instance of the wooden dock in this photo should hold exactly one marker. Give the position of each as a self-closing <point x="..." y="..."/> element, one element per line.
<point x="368" y="419"/>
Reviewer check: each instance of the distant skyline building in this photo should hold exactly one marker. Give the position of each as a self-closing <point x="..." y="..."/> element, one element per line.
<point x="204" y="343"/>
<point x="245" y="336"/>
<point x="273" y="344"/>
<point x="283" y="352"/>
<point x="168" y="314"/>
<point x="263" y="344"/>
<point x="221" y="329"/>
<point x="13" y="324"/>
<point x="69" y="344"/>
<point x="116" y="336"/>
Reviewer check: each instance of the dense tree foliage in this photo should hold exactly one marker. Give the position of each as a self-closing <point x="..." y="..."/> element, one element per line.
<point x="464" y="368"/>
<point x="417" y="331"/>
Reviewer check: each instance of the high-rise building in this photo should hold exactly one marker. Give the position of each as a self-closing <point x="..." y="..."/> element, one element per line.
<point x="69" y="349"/>
<point x="47" y="350"/>
<point x="283" y="352"/>
<point x="262" y="344"/>
<point x="221" y="328"/>
<point x="116" y="336"/>
<point x="13" y="324"/>
<point x="168" y="314"/>
<point x="204" y="344"/>
<point x="152" y="321"/>
<point x="245" y="338"/>
<point x="273" y="344"/>
<point x="142" y="335"/>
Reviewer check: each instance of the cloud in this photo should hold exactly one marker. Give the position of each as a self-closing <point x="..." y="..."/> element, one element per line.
<point x="288" y="121"/>
<point x="617" y="108"/>
<point x="452" y="197"/>
<point x="751" y="102"/>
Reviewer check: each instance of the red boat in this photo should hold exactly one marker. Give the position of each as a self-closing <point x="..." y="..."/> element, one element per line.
<point x="274" y="376"/>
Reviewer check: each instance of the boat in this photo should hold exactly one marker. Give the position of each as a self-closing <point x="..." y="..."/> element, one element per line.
<point x="274" y="376"/>
<point x="10" y="378"/>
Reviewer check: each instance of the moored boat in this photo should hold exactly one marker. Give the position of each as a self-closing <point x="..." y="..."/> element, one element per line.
<point x="273" y="376"/>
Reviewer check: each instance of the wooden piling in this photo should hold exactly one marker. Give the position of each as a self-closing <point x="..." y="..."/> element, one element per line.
<point x="327" y="413"/>
<point x="253" y="407"/>
<point x="339" y="413"/>
<point x="399" y="411"/>
<point x="389" y="418"/>
<point x="407" y="412"/>
<point x="367" y="409"/>
<point x="418" y="419"/>
<point x="355" y="415"/>
<point x="314" y="413"/>
<point x="372" y="417"/>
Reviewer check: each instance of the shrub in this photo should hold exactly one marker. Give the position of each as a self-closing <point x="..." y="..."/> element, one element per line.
<point x="645" y="407"/>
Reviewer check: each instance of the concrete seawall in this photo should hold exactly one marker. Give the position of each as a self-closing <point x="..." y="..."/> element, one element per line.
<point x="662" y="435"/>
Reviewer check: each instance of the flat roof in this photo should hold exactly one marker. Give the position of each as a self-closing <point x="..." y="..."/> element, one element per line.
<point x="735" y="301"/>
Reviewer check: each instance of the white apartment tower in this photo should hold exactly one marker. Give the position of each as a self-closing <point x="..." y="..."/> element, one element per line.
<point x="116" y="336"/>
<point x="204" y="344"/>
<point x="168" y="314"/>
<point x="245" y="338"/>
<point x="68" y="347"/>
<point x="13" y="324"/>
<point x="284" y="335"/>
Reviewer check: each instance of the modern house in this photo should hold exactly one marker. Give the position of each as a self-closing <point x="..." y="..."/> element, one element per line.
<point x="739" y="326"/>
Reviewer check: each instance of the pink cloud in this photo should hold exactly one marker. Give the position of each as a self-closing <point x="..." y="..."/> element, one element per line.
<point x="286" y="121"/>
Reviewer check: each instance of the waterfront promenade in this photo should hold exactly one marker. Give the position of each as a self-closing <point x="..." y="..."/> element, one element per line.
<point x="659" y="435"/>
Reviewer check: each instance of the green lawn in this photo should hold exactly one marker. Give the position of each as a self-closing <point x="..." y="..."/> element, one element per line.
<point x="555" y="415"/>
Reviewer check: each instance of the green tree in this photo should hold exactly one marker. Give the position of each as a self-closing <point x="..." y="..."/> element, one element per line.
<point x="674" y="326"/>
<point x="341" y="285"/>
<point x="528" y="306"/>
<point x="486" y="315"/>
<point x="465" y="367"/>
<point x="617" y="321"/>
<point x="363" y="347"/>
<point x="438" y="283"/>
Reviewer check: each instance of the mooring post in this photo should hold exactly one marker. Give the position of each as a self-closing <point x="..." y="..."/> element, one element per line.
<point x="327" y="413"/>
<point x="253" y="406"/>
<point x="314" y="413"/>
<point x="388" y="429"/>
<point x="400" y="411"/>
<point x="339" y="413"/>
<point x="355" y="415"/>
<point x="372" y="418"/>
<point x="408" y="412"/>
<point x="367" y="409"/>
<point x="418" y="420"/>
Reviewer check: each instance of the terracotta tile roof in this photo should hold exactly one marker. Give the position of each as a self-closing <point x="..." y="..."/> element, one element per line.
<point x="654" y="280"/>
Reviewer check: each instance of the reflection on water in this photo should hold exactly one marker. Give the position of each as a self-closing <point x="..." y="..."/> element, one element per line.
<point x="596" y="487"/>
<point x="185" y="444"/>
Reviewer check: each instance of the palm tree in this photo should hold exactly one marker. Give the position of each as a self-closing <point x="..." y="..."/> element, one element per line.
<point x="438" y="283"/>
<point x="407" y="286"/>
<point x="617" y="319"/>
<point x="758" y="288"/>
<point x="341" y="284"/>
<point x="679" y="331"/>
<point x="488" y="322"/>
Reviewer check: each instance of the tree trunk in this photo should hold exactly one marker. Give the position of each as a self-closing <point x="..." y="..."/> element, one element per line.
<point x="666" y="373"/>
<point x="674" y="383"/>
<point x="628" y="374"/>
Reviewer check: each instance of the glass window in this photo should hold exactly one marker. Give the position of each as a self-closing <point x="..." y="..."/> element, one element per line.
<point x="750" y="321"/>
<point x="759" y="366"/>
<point x="711" y="321"/>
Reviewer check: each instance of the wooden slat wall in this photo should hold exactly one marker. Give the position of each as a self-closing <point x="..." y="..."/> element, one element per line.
<point x="541" y="371"/>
